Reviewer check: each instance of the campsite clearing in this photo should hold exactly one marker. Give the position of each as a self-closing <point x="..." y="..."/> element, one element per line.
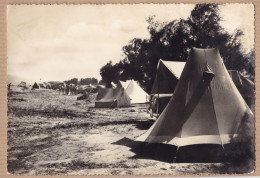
<point x="50" y="133"/>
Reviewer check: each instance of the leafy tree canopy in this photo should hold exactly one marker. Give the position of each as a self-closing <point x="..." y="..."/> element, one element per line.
<point x="82" y="81"/>
<point x="87" y="81"/>
<point x="172" y="41"/>
<point x="73" y="80"/>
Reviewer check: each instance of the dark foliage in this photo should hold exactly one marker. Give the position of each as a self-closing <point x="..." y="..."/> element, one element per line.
<point x="82" y="81"/>
<point x="172" y="41"/>
<point x="74" y="81"/>
<point x="87" y="81"/>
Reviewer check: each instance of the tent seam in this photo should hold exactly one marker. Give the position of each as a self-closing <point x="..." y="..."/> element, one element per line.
<point x="213" y="102"/>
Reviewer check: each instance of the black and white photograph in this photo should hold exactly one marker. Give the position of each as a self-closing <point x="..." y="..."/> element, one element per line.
<point x="131" y="89"/>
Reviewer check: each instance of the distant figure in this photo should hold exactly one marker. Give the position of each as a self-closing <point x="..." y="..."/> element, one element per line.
<point x="64" y="88"/>
<point x="67" y="89"/>
<point x="9" y="86"/>
<point x="72" y="89"/>
<point x="60" y="90"/>
<point x="76" y="89"/>
<point x="69" y="86"/>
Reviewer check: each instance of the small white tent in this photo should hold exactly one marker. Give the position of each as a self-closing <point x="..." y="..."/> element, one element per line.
<point x="134" y="91"/>
<point x="113" y="85"/>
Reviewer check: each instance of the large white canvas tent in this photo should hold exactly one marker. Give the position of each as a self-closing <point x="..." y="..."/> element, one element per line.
<point x="167" y="76"/>
<point x="206" y="107"/>
<point x="134" y="91"/>
<point x="112" y="97"/>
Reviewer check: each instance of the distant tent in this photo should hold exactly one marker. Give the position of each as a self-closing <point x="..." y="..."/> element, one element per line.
<point x="123" y="84"/>
<point x="100" y="86"/>
<point x="55" y="85"/>
<point x="48" y="85"/>
<point x="42" y="85"/>
<point x="206" y="107"/>
<point x="167" y="76"/>
<point x="134" y="91"/>
<point x="92" y="88"/>
<point x="83" y="87"/>
<point x="244" y="86"/>
<point x="35" y="86"/>
<point x="113" y="85"/>
<point x="112" y="97"/>
<point x="22" y="84"/>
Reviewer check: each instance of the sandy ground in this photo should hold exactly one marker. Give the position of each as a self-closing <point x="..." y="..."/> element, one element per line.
<point x="50" y="133"/>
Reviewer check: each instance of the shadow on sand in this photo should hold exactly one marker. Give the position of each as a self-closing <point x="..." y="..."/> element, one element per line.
<point x="237" y="154"/>
<point x="141" y="125"/>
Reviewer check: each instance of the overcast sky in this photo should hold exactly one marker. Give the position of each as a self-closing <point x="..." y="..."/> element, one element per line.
<point x="59" y="42"/>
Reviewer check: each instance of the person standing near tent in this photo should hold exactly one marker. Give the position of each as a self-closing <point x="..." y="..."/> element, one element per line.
<point x="9" y="86"/>
<point x="60" y="89"/>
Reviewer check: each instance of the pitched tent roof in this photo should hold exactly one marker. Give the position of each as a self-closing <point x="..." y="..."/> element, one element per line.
<point x="42" y="85"/>
<point x="167" y="76"/>
<point x="206" y="107"/>
<point x="92" y="86"/>
<point x="134" y="91"/>
<point x="245" y="86"/>
<point x="113" y="85"/>
<point x="22" y="84"/>
<point x="47" y="85"/>
<point x="100" y="86"/>
<point x="123" y="84"/>
<point x="36" y="85"/>
<point x="112" y="97"/>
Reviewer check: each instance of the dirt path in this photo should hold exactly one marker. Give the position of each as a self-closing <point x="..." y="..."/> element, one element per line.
<point x="50" y="133"/>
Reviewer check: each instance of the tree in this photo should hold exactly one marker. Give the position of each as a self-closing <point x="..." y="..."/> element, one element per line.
<point x="73" y="80"/>
<point x="173" y="41"/>
<point x="206" y="32"/>
<point x="109" y="73"/>
<point x="87" y="81"/>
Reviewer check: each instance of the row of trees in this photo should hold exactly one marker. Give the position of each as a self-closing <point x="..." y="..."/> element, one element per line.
<point x="172" y="41"/>
<point x="82" y="81"/>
